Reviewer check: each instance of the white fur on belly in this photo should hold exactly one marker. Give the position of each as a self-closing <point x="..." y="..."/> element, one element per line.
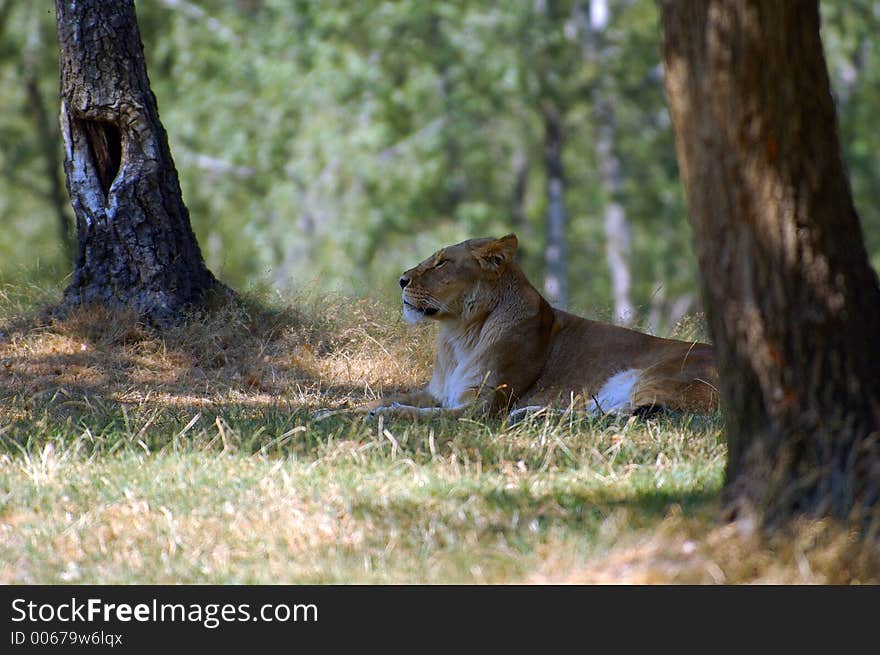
<point x="615" y="396"/>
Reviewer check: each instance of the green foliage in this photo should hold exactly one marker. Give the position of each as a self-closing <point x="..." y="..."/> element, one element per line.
<point x="332" y="144"/>
<point x="853" y="55"/>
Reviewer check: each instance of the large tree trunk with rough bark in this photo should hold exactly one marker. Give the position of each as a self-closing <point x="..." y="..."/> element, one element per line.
<point x="792" y="302"/>
<point x="136" y="248"/>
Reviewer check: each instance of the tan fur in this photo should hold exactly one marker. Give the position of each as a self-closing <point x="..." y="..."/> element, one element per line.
<point x="502" y="346"/>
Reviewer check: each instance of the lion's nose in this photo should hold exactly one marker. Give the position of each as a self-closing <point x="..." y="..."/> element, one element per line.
<point x="404" y="281"/>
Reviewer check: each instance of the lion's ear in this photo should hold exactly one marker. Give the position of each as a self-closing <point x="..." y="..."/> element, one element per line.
<point x="497" y="253"/>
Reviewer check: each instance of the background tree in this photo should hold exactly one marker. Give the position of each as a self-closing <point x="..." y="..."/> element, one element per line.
<point x="136" y="248"/>
<point x="545" y="46"/>
<point x="792" y="301"/>
<point x="47" y="134"/>
<point x="594" y="16"/>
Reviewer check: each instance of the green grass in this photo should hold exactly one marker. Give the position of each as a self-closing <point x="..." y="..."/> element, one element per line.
<point x="192" y="456"/>
<point x="269" y="496"/>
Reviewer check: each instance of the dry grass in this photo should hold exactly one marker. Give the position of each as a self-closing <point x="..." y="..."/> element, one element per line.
<point x="689" y="550"/>
<point x="259" y="354"/>
<point x="190" y="456"/>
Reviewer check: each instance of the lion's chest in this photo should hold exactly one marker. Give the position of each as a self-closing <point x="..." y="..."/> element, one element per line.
<point x="458" y="386"/>
<point x="457" y="376"/>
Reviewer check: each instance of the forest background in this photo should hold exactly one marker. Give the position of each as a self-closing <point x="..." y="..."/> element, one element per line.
<point x="330" y="145"/>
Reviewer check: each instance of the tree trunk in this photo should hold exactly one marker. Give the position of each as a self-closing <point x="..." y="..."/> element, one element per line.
<point x="792" y="302"/>
<point x="136" y="248"/>
<point x="520" y="166"/>
<point x="48" y="146"/>
<point x="49" y="139"/>
<point x="556" y="273"/>
<point x="617" y="230"/>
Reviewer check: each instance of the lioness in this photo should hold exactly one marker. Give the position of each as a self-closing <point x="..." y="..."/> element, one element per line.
<point x="503" y="349"/>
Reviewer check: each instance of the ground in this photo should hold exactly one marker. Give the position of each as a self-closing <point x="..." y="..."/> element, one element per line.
<point x="191" y="455"/>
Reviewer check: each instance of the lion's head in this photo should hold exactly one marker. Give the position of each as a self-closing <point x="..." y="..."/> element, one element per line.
<point x="454" y="281"/>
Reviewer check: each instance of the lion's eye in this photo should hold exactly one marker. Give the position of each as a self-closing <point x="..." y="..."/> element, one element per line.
<point x="441" y="263"/>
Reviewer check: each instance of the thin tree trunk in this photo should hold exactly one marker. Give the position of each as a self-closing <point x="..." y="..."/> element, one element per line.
<point x="617" y="231"/>
<point x="49" y="140"/>
<point x="520" y="166"/>
<point x="615" y="224"/>
<point x="136" y="248"/>
<point x="792" y="302"/>
<point x="556" y="273"/>
<point x="456" y="182"/>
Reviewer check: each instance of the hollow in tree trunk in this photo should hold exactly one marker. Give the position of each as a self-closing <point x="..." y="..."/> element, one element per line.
<point x="792" y="302"/>
<point x="135" y="246"/>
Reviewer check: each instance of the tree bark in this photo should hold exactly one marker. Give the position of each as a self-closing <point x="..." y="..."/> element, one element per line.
<point x="136" y="248"/>
<point x="792" y="302"/>
<point x="556" y="273"/>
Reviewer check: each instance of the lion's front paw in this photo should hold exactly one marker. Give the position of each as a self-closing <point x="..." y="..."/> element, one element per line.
<point x="363" y="410"/>
<point x="383" y="409"/>
<point x="322" y="414"/>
